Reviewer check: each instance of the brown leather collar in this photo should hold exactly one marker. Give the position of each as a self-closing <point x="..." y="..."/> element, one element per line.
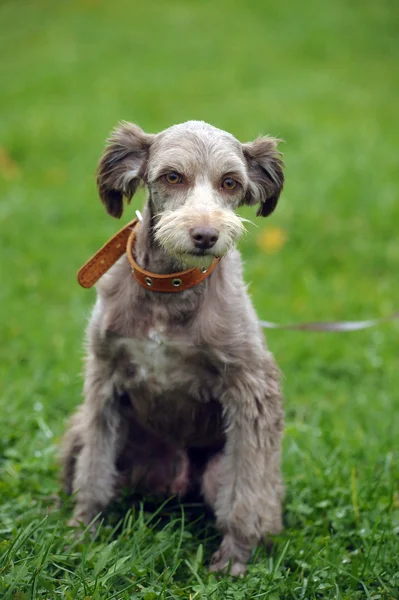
<point x="123" y="242"/>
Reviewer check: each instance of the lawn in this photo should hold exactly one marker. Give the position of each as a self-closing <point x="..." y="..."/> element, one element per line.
<point x="322" y="76"/>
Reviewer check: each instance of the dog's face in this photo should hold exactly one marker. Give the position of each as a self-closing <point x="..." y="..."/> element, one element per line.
<point x="197" y="176"/>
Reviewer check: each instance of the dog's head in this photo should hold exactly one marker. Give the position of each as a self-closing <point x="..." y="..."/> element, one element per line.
<point x="197" y="176"/>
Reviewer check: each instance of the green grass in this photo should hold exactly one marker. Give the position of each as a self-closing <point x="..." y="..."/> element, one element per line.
<point x="325" y="78"/>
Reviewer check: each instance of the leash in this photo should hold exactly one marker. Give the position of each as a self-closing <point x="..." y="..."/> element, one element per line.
<point x="332" y="326"/>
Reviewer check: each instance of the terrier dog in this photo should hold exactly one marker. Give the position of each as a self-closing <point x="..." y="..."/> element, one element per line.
<point x="180" y="390"/>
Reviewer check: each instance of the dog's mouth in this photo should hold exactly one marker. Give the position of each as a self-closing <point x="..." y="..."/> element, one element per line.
<point x="201" y="252"/>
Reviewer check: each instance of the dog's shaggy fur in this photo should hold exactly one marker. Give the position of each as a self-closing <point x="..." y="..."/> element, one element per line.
<point x="180" y="389"/>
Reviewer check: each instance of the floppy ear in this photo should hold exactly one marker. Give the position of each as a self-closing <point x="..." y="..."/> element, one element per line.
<point x="123" y="165"/>
<point x="265" y="171"/>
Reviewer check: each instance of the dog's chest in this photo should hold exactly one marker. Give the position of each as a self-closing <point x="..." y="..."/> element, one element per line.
<point x="171" y="386"/>
<point x="157" y="363"/>
<point x="155" y="358"/>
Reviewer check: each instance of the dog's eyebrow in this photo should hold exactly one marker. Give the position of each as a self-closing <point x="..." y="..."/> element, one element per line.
<point x="227" y="162"/>
<point x="231" y="169"/>
<point x="169" y="167"/>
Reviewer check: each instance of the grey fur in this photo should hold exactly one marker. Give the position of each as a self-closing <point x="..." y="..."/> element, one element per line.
<point x="171" y="374"/>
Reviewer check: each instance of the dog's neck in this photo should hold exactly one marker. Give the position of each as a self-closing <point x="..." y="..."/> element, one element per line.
<point x="148" y="253"/>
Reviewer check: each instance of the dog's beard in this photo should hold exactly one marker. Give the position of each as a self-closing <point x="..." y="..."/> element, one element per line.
<point x="172" y="232"/>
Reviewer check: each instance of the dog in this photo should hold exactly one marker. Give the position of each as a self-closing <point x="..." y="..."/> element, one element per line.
<point x="181" y="392"/>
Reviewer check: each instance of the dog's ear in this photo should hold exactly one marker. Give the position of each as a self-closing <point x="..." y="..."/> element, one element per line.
<point x="122" y="167"/>
<point x="265" y="171"/>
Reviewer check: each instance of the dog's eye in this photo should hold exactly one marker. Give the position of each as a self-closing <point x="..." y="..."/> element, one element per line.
<point x="229" y="184"/>
<point x="173" y="178"/>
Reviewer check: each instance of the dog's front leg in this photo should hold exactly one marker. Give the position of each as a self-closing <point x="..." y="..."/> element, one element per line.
<point x="102" y="434"/>
<point x="250" y="489"/>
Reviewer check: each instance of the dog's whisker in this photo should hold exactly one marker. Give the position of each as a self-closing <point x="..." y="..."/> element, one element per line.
<point x="244" y="220"/>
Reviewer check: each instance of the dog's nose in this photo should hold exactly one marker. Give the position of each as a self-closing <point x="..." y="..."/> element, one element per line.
<point x="204" y="237"/>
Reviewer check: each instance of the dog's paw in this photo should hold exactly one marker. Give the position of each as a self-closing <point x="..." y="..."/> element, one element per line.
<point x="223" y="564"/>
<point x="84" y="521"/>
<point x="231" y="557"/>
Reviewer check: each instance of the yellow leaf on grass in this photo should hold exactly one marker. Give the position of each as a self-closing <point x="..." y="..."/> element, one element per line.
<point x="8" y="167"/>
<point x="272" y="239"/>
